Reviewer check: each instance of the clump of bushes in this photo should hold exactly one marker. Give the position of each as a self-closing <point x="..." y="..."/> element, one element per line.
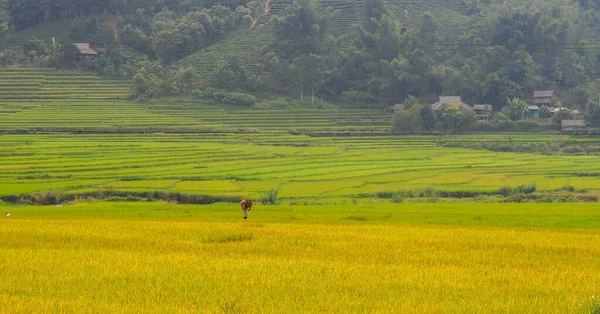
<point x="230" y="98"/>
<point x="398" y="197"/>
<point x="550" y="198"/>
<point x="573" y="150"/>
<point x="566" y="188"/>
<point x="55" y="198"/>
<point x="42" y="198"/>
<point x="433" y="194"/>
<point x="505" y="191"/>
<point x="129" y="198"/>
<point x="556" y="146"/>
<point x="270" y="197"/>
<point x="525" y="188"/>
<point x="429" y="192"/>
<point x="501" y="123"/>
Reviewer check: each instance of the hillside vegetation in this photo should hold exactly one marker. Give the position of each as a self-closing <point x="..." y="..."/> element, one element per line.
<point x="350" y="52"/>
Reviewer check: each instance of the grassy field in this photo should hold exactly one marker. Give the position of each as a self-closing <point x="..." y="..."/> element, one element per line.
<point x="158" y="257"/>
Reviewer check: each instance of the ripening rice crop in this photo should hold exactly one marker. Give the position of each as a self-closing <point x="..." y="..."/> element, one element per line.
<point x="154" y="257"/>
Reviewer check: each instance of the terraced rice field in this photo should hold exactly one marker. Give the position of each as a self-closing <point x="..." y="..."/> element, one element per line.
<point x="71" y="115"/>
<point x="34" y="85"/>
<point x="301" y="167"/>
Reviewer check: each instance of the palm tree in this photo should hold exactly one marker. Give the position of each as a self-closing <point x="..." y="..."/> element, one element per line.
<point x="514" y="108"/>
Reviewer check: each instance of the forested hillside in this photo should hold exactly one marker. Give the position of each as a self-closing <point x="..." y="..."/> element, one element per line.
<point x="354" y="52"/>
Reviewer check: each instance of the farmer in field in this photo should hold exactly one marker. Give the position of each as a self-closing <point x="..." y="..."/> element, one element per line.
<point x="246" y="206"/>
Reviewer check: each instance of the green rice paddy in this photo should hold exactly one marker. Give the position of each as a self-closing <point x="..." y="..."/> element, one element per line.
<point x="246" y="165"/>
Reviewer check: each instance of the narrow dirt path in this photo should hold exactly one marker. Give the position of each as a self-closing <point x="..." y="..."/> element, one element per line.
<point x="111" y="21"/>
<point x="267" y="10"/>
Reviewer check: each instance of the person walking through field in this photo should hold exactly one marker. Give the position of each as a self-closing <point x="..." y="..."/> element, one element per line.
<point x="246" y="206"/>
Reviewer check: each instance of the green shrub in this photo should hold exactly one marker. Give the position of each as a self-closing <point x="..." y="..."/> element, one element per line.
<point x="505" y="191"/>
<point x="566" y="188"/>
<point x="128" y="198"/>
<point x="239" y="99"/>
<point x="573" y="150"/>
<point x="398" y="197"/>
<point x="271" y="197"/>
<point x="230" y="98"/>
<point x="525" y="188"/>
<point x="433" y="194"/>
<point x="10" y="198"/>
<point x="42" y="198"/>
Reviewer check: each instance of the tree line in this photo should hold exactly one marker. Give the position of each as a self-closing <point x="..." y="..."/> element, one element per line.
<point x="26" y="13"/>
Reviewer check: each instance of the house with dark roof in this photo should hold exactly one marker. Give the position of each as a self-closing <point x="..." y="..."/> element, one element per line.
<point x="543" y="97"/>
<point x="450" y="100"/>
<point x="573" y="125"/>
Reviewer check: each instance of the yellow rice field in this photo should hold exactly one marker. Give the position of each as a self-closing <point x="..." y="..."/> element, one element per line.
<point x="93" y="258"/>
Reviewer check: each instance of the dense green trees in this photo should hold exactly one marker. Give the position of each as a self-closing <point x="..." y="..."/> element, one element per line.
<point x="593" y="114"/>
<point x="164" y="29"/>
<point x="514" y="49"/>
<point x="25" y="13"/>
<point x="420" y="118"/>
<point x="302" y="30"/>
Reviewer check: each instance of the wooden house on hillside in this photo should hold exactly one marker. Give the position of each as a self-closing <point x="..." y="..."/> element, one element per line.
<point x="543" y="97"/>
<point x="573" y="125"/>
<point x="450" y="100"/>
<point x="84" y="49"/>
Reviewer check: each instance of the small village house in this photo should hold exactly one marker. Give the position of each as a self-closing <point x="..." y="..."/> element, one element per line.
<point x="531" y="112"/>
<point x="483" y="112"/>
<point x="573" y="125"/>
<point x="83" y="50"/>
<point x="450" y="100"/>
<point x="543" y="97"/>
